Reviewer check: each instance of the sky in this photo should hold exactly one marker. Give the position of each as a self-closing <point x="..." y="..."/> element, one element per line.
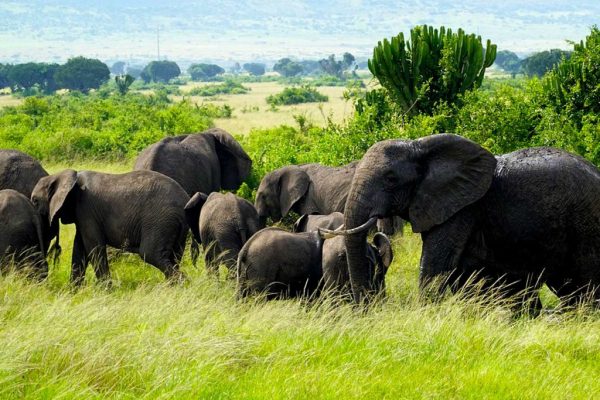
<point x="229" y="31"/>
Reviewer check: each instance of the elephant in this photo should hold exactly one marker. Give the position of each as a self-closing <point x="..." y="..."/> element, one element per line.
<point x="310" y="223"/>
<point x="306" y="189"/>
<point x="139" y="211"/>
<point x="335" y="266"/>
<point x="522" y="219"/>
<point x="19" y="171"/>
<point x="288" y="264"/>
<point x="205" y="162"/>
<point x="21" y="239"/>
<point x="280" y="264"/>
<point x="222" y="223"/>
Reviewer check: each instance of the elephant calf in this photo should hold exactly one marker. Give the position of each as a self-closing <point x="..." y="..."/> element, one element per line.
<point x="222" y="223"/>
<point x="309" y="223"/>
<point x="139" y="211"/>
<point x="21" y="239"/>
<point x="287" y="264"/>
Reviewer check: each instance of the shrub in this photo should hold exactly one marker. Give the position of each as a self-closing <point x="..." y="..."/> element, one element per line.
<point x="296" y="95"/>
<point x="228" y="87"/>
<point x="74" y="126"/>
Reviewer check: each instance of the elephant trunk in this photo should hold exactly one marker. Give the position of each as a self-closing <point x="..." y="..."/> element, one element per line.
<point x="357" y="213"/>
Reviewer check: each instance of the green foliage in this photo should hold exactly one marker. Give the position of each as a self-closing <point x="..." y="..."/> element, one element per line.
<point x="296" y="95"/>
<point x="4" y="79"/>
<point x="227" y="87"/>
<point x="29" y="75"/>
<point x="540" y="63"/>
<point x="434" y="66"/>
<point x="160" y="71"/>
<point x="204" y="72"/>
<point x="256" y="69"/>
<point x="118" y="68"/>
<point x="573" y="86"/>
<point x="508" y="61"/>
<point x="82" y="74"/>
<point x="76" y="126"/>
<point x="287" y="68"/>
<point x="332" y="67"/>
<point x="123" y="82"/>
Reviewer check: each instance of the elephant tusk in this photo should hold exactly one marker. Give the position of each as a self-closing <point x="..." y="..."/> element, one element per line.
<point x="328" y="233"/>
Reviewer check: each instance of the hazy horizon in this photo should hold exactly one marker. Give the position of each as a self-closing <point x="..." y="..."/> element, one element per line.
<point x="251" y="30"/>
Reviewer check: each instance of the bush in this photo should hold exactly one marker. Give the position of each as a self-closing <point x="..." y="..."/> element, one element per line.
<point x="204" y="72"/>
<point x="76" y="126"/>
<point x="296" y="95"/>
<point x="228" y="87"/>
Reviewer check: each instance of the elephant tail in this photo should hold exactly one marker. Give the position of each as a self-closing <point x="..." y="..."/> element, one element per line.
<point x="195" y="251"/>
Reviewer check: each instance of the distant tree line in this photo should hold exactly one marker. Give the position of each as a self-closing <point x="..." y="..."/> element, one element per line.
<point x="535" y="65"/>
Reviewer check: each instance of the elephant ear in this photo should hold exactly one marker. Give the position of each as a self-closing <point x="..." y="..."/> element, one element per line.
<point x="384" y="247"/>
<point x="457" y="172"/>
<point x="234" y="162"/>
<point x="61" y="185"/>
<point x="300" y="224"/>
<point x="293" y="186"/>
<point x="192" y="213"/>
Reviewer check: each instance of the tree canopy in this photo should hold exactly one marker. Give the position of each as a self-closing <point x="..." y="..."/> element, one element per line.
<point x="286" y="67"/>
<point x="160" y="71"/>
<point x="202" y="72"/>
<point x="540" y="63"/>
<point x="256" y="69"/>
<point x="82" y="74"/>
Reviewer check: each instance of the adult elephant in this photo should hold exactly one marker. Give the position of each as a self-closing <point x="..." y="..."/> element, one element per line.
<point x="139" y="211"/>
<point x="304" y="189"/>
<point x="202" y="162"/>
<point x="523" y="218"/>
<point x="19" y="171"/>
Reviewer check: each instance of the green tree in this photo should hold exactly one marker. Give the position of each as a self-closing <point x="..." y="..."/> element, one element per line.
<point x="204" y="72"/>
<point x="123" y="82"/>
<point x="348" y="60"/>
<point x="26" y="76"/>
<point x="135" y="71"/>
<point x="540" y="63"/>
<point x="287" y="68"/>
<point x="434" y="66"/>
<point x="332" y="67"/>
<point x="508" y="61"/>
<point x="4" y="75"/>
<point x="573" y="86"/>
<point x="82" y="74"/>
<point x="118" y="68"/>
<point x="160" y="71"/>
<point x="256" y="69"/>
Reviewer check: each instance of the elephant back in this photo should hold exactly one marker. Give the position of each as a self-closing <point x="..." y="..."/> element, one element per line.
<point x="19" y="171"/>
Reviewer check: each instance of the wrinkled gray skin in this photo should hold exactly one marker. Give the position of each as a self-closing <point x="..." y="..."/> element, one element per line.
<point x="140" y="212"/>
<point x="21" y="239"/>
<point x="335" y="266"/>
<point x="523" y="218"/>
<point x="310" y="223"/>
<point x="21" y="172"/>
<point x="280" y="264"/>
<point x="306" y="189"/>
<point x="222" y="223"/>
<point x="201" y="162"/>
<point x="286" y="264"/>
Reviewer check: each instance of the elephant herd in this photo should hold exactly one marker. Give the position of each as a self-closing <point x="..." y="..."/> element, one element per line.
<point x="515" y="221"/>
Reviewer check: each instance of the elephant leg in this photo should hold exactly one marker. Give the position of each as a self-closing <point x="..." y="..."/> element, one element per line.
<point x="99" y="258"/>
<point x="164" y="257"/>
<point x="79" y="260"/>
<point x="212" y="253"/>
<point x="524" y="291"/>
<point x="443" y="247"/>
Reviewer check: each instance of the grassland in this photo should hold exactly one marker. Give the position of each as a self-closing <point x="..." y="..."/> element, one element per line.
<point x="146" y="339"/>
<point x="252" y="111"/>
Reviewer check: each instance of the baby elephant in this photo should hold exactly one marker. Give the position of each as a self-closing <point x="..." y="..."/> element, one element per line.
<point x="309" y="223"/>
<point x="286" y="264"/>
<point x="222" y="223"/>
<point x="335" y="267"/>
<point x="21" y="238"/>
<point x="139" y="211"/>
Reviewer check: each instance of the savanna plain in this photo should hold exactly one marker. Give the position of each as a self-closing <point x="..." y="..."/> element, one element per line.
<point x="144" y="338"/>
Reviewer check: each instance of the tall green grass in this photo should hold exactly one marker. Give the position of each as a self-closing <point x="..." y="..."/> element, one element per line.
<point x="147" y="339"/>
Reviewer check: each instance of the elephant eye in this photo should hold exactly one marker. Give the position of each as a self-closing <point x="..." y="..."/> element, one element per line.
<point x="391" y="178"/>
